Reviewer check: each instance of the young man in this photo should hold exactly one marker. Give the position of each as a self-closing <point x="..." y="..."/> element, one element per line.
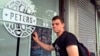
<point x="65" y="44"/>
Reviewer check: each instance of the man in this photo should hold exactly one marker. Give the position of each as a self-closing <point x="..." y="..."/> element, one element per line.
<point x="65" y="44"/>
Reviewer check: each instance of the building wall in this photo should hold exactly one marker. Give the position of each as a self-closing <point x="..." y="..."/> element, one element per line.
<point x="98" y="33"/>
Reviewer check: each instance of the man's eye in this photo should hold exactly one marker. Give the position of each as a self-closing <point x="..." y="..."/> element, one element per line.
<point x="57" y="24"/>
<point x="52" y="24"/>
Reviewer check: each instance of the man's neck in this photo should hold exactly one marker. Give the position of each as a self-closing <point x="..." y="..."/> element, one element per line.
<point x="60" y="33"/>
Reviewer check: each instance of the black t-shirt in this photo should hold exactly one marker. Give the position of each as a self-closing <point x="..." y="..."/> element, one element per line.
<point x="64" y="41"/>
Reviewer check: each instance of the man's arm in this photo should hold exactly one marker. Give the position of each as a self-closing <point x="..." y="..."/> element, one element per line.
<point x="72" y="50"/>
<point x="43" y="45"/>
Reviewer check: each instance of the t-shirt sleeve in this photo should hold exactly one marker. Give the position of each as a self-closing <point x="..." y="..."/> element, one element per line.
<point x="70" y="39"/>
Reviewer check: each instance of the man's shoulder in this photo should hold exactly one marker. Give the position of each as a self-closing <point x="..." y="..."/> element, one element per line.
<point x="68" y="33"/>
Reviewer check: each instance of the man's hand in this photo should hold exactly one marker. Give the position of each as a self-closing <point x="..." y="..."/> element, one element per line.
<point x="35" y="37"/>
<point x="43" y="45"/>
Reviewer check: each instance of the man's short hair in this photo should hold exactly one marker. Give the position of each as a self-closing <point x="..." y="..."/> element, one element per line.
<point x="58" y="17"/>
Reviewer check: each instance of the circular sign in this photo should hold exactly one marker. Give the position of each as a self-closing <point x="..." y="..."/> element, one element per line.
<point x="19" y="20"/>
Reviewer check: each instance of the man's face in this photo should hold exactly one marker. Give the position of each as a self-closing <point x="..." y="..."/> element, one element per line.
<point x="57" y="25"/>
